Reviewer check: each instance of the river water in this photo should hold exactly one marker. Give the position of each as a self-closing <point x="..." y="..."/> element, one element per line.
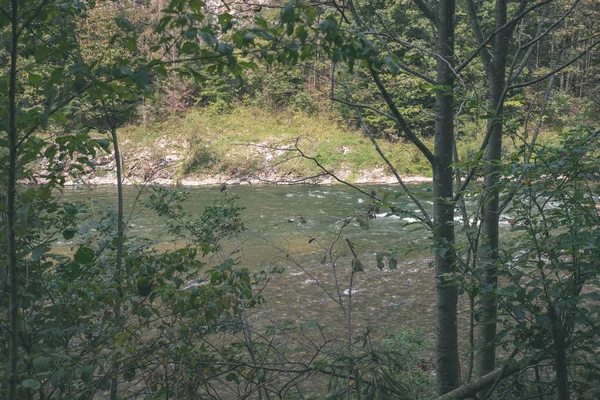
<point x="293" y="227"/>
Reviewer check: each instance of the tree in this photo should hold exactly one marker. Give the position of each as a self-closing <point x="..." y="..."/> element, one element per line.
<point x="369" y="40"/>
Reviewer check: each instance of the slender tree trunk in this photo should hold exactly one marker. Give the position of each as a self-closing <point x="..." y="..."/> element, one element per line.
<point x="11" y="193"/>
<point x="447" y="365"/>
<point x="486" y="359"/>
<point x="560" y="357"/>
<point x="114" y="385"/>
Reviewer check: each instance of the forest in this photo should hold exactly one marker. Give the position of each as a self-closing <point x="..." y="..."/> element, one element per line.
<point x="491" y="105"/>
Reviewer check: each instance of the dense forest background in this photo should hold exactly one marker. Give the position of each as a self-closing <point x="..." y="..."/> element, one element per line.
<point x="496" y="101"/>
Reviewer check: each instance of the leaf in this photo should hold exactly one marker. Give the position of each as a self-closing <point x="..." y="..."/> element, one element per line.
<point x="141" y="77"/>
<point x="130" y="43"/>
<point x="37" y="252"/>
<point x="208" y="38"/>
<point x="35" y="80"/>
<point x="379" y="258"/>
<point x="31" y="384"/>
<point x="41" y="364"/>
<point x="225" y="49"/>
<point x="357" y="265"/>
<point x="225" y="18"/>
<point x="393" y="263"/>
<point x="124" y="23"/>
<point x="363" y="222"/>
<point x="86" y="373"/>
<point x="68" y="233"/>
<point x="84" y="255"/>
<point x="287" y="13"/>
<point x="248" y="38"/>
<point x="232" y="377"/>
<point x="292" y="46"/>
<point x="391" y="64"/>
<point x="329" y="27"/>
<point x="301" y="33"/>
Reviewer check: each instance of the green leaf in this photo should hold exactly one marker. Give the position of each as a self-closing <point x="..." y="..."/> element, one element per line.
<point x="292" y="46"/>
<point x="392" y="65"/>
<point x="208" y="37"/>
<point x="145" y="312"/>
<point x="393" y="263"/>
<point x="35" y="80"/>
<point x="124" y="23"/>
<point x="190" y="48"/>
<point x="41" y="364"/>
<point x="287" y="13"/>
<point x="301" y="33"/>
<point x="329" y="27"/>
<point x="225" y="18"/>
<point x="104" y="144"/>
<point x="357" y="265"/>
<point x="141" y="77"/>
<point x="68" y="233"/>
<point x="32" y="384"/>
<point x="37" y="252"/>
<point x="225" y="49"/>
<point x="86" y="373"/>
<point x="248" y="38"/>
<point x="379" y="258"/>
<point x="130" y="43"/>
<point x="335" y="57"/>
<point x="84" y="255"/>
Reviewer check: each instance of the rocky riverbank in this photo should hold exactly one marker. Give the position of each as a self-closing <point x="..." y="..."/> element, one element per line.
<point x="162" y="163"/>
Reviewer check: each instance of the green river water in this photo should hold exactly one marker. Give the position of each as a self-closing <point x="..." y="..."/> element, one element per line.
<point x="293" y="226"/>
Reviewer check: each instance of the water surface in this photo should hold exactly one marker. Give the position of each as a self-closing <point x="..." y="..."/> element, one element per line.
<point x="294" y="227"/>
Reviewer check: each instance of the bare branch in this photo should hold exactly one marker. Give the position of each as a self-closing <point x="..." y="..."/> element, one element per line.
<point x="558" y="69"/>
<point x="426" y="10"/>
<point x="363" y="106"/>
<point x="416" y="201"/>
<point x="482" y="45"/>
<point x="400" y="122"/>
<point x="6" y="14"/>
<point x="485" y="54"/>
<point x="510" y="368"/>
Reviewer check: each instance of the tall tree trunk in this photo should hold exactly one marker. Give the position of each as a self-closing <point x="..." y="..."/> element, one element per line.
<point x="11" y="193"/>
<point x="486" y="358"/>
<point x="114" y="385"/>
<point x="447" y="365"/>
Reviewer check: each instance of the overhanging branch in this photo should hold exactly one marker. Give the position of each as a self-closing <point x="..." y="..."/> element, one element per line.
<point x="400" y="122"/>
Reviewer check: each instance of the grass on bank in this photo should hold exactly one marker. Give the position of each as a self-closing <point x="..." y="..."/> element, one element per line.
<point x="237" y="143"/>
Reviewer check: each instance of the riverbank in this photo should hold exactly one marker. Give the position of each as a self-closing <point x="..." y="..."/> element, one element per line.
<point x="367" y="178"/>
<point x="253" y="146"/>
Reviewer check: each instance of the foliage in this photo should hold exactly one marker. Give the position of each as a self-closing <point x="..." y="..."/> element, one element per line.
<point x="170" y="300"/>
<point x="551" y="262"/>
<point x="394" y="367"/>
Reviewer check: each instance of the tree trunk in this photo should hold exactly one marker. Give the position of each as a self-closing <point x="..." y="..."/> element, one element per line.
<point x="560" y="357"/>
<point x="11" y="193"/>
<point x="488" y="253"/>
<point x="447" y="365"/>
<point x="114" y="385"/>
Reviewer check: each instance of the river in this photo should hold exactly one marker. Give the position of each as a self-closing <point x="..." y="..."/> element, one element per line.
<point x="292" y="226"/>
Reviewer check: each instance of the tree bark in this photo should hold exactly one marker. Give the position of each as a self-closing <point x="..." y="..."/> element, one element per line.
<point x="488" y="254"/>
<point x="560" y="357"/>
<point x="114" y="385"/>
<point x="11" y="193"/>
<point x="511" y="368"/>
<point x="447" y="365"/>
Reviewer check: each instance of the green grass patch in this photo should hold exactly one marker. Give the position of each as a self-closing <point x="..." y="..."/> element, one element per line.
<point x="237" y="143"/>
